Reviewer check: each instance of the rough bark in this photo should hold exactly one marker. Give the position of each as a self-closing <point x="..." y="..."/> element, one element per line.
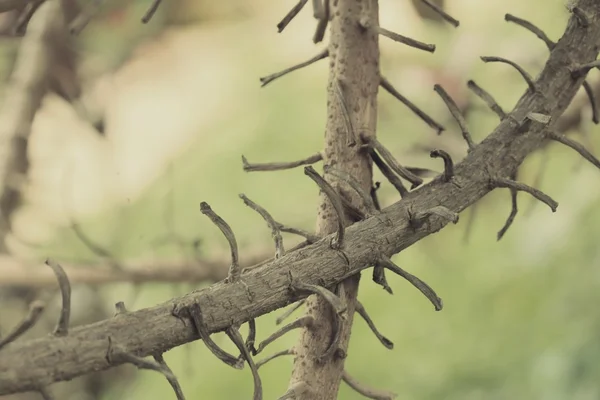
<point x="354" y="80"/>
<point x="27" y="365"/>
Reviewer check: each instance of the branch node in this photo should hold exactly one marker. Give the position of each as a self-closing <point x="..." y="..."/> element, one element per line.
<point x="388" y="173"/>
<point x="448" y="164"/>
<point x="581" y="16"/>
<point x="355" y="185"/>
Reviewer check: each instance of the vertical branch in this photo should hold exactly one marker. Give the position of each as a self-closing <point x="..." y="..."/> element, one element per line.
<point x="354" y="55"/>
<point x="26" y="88"/>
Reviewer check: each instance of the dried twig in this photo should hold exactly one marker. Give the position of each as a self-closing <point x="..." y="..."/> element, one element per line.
<point x="360" y="309"/>
<point x="332" y="299"/>
<point x="151" y="11"/>
<point x="35" y="311"/>
<point x="367" y="24"/>
<point x="437" y="9"/>
<point x="583" y="152"/>
<point x="275" y="227"/>
<point x="195" y="314"/>
<point x="391" y="161"/>
<point x="234" y="269"/>
<point x="289" y="311"/>
<point x="171" y="378"/>
<point x="281" y="353"/>
<point x="306" y="321"/>
<point x="322" y="24"/>
<point x="516" y="66"/>
<point x="380" y="279"/>
<point x="487" y="98"/>
<point x="428" y="120"/>
<point x="538" y="194"/>
<point x="265" y="80"/>
<point x="448" y="164"/>
<point x="277" y="166"/>
<point x="335" y="200"/>
<point x="355" y="185"/>
<point x="513" y="210"/>
<point x="290" y="15"/>
<point x="62" y="327"/>
<point x="532" y="28"/>
<point x="236" y="338"/>
<point x="388" y="173"/>
<point x="460" y="119"/>
<point x="369" y="393"/>
<point x="413" y="280"/>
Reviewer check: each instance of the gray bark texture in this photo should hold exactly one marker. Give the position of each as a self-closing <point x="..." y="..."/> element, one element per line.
<point x="32" y="364"/>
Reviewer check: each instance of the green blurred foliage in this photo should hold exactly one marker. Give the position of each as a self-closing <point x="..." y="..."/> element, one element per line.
<point x="520" y="318"/>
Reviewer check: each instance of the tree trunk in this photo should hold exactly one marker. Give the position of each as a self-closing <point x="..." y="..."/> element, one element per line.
<point x="353" y="80"/>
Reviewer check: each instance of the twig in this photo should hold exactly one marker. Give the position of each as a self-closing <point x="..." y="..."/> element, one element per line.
<point x="368" y="392"/>
<point x="234" y="269"/>
<point x="306" y="321"/>
<point x="35" y="311"/>
<point x="388" y="173"/>
<point x="448" y="164"/>
<point x="322" y="24"/>
<point x="290" y="15"/>
<point x="513" y="211"/>
<point x="593" y="103"/>
<point x="460" y="119"/>
<point x="413" y="280"/>
<point x="310" y="237"/>
<point x="251" y="339"/>
<point x="510" y="184"/>
<point x="171" y="378"/>
<point x="360" y="309"/>
<point x="487" y="98"/>
<point x="531" y="28"/>
<point x="384" y="83"/>
<point x="62" y="327"/>
<point x="95" y="248"/>
<point x="289" y="311"/>
<point x="281" y="353"/>
<point x="373" y="194"/>
<point x="335" y="200"/>
<point x="583" y="152"/>
<point x="275" y="230"/>
<point x="236" y="338"/>
<point x="265" y="80"/>
<point x="391" y="161"/>
<point x="580" y="70"/>
<point x="470" y="221"/>
<point x="380" y="279"/>
<point x="516" y="66"/>
<point x="333" y="300"/>
<point x="437" y="9"/>
<point x="277" y="166"/>
<point x="151" y="11"/>
<point x="194" y="312"/>
<point x="367" y="24"/>
<point x="318" y="9"/>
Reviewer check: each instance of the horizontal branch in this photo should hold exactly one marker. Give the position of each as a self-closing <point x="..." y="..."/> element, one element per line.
<point x="15" y="273"/>
<point x="27" y="365"/>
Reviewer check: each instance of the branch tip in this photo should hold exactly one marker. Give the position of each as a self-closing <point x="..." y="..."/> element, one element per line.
<point x="62" y="326"/>
<point x="265" y="80"/>
<point x="277" y="166"/>
<point x="275" y="230"/>
<point x="290" y="15"/>
<point x="538" y="194"/>
<point x="151" y="11"/>
<point x="35" y="311"/>
<point x="456" y="113"/>
<point x="360" y="309"/>
<point x="424" y="288"/>
<point x="445" y="16"/>
<point x="531" y="28"/>
<point x="385" y="84"/>
<point x="172" y="379"/>
<point x="516" y="66"/>
<point x="579" y="148"/>
<point x="234" y="270"/>
<point x="306" y="321"/>
<point x="487" y="98"/>
<point x="289" y="311"/>
<point x="365" y="391"/>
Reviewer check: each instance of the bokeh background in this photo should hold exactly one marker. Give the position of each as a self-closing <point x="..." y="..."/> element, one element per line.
<point x="180" y="101"/>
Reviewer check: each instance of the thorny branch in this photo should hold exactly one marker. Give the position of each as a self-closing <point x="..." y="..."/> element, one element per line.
<point x="29" y="365"/>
